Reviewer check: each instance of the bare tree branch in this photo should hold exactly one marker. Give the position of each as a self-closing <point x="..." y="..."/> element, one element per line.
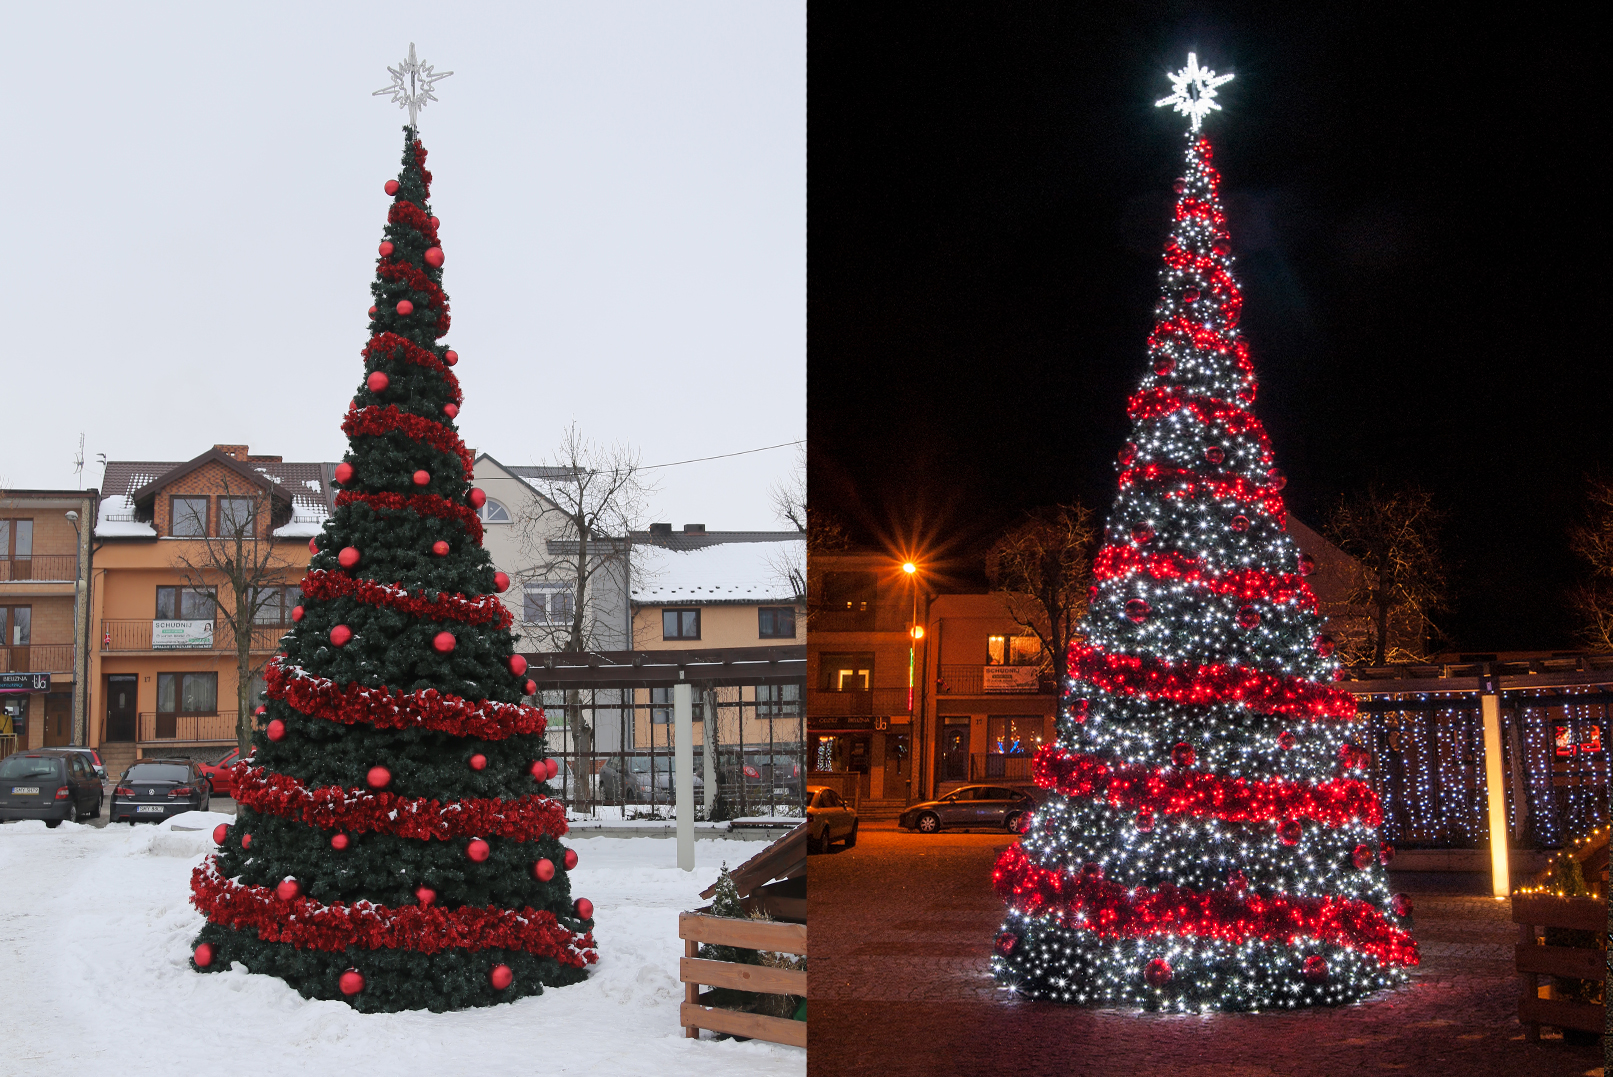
<point x="1043" y="568"/>
<point x="1393" y="533"/>
<point x="1593" y="541"/>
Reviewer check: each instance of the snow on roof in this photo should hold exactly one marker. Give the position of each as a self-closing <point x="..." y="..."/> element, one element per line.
<point x="732" y="572"/>
<point x="308" y="516"/>
<point x="116" y="519"/>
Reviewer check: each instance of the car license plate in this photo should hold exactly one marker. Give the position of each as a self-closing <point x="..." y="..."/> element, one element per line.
<point x="149" y="808"/>
<point x="25" y="790"/>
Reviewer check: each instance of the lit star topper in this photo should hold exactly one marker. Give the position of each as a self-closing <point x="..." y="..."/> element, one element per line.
<point x="412" y="83"/>
<point x="1193" y="91"/>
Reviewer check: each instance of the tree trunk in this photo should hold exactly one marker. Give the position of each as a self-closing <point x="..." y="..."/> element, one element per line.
<point x="1380" y="655"/>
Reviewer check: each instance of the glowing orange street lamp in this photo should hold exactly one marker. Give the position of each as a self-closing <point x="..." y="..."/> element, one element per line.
<point x="915" y="632"/>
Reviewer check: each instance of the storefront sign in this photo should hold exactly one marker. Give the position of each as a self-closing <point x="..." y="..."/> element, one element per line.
<point x="17" y="683"/>
<point x="1008" y="679"/>
<point x="841" y="722"/>
<point x="167" y="635"/>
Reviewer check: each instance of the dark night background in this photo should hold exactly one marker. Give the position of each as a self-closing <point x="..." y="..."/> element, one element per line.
<point x="1416" y="216"/>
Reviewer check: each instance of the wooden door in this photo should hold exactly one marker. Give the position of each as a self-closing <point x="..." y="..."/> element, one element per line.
<point x="58" y="720"/>
<point x="120" y="707"/>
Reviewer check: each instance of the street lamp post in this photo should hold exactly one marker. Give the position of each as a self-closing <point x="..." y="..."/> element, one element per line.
<point x="915" y="632"/>
<point x="79" y="735"/>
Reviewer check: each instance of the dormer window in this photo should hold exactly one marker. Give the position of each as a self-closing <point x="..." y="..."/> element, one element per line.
<point x="492" y="512"/>
<point x="188" y="517"/>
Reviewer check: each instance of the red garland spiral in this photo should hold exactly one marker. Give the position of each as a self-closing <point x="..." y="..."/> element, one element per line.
<point x="318" y="697"/>
<point x="481" y="610"/>
<point x="1262" y="693"/>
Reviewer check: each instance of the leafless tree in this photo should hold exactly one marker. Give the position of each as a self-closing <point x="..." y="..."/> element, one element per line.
<point x="1593" y="540"/>
<point x="575" y="541"/>
<point x="1401" y="582"/>
<point x="238" y="561"/>
<point x="789" y="496"/>
<point x="1043" y="568"/>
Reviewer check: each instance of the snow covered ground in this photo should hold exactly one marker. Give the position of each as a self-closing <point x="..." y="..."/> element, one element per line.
<point x="95" y="933"/>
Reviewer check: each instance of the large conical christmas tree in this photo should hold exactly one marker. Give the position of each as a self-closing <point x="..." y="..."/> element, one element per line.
<point x="396" y="843"/>
<point x="1209" y="841"/>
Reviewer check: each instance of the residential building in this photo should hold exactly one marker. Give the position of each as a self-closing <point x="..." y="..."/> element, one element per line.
<point x="164" y="676"/>
<point x="44" y="594"/>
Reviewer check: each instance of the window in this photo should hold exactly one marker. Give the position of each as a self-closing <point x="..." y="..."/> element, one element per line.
<point x="775" y="622"/>
<point x="680" y="624"/>
<point x="492" y="512"/>
<point x="1013" y="651"/>
<point x="16" y="624"/>
<point x="187" y="693"/>
<point x="846" y="672"/>
<point x="778" y="700"/>
<point x="274" y="604"/>
<point x="236" y="515"/>
<point x="189" y="517"/>
<point x="185" y="603"/>
<point x="660" y="706"/>
<point x="1014" y="734"/>
<point x="547" y="604"/>
<point x="16" y="540"/>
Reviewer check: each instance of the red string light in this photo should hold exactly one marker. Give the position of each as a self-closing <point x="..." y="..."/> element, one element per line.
<point x="1154" y="678"/>
<point x="1248" y="585"/>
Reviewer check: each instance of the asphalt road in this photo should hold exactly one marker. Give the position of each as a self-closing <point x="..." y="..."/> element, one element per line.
<point x="902" y="927"/>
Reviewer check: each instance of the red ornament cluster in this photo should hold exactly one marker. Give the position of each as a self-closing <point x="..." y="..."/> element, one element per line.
<point x="318" y="697"/>
<point x="1176" y="482"/>
<point x="1248" y="584"/>
<point x="481" y="610"/>
<point x="1263" y="693"/>
<point x="391" y="346"/>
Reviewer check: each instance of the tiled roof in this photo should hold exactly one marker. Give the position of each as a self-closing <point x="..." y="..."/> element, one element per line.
<point x="308" y="485"/>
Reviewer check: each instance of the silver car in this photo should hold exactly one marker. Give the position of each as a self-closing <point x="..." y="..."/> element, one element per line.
<point x="973" y="805"/>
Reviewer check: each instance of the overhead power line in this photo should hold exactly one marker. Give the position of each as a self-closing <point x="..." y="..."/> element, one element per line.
<point x="726" y="455"/>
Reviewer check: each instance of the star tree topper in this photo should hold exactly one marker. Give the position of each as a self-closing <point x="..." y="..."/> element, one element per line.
<point x="412" y="83"/>
<point x="1193" y="90"/>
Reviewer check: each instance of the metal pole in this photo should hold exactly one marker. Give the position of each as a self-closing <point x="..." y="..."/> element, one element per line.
<point x="683" y="714"/>
<point x="1490" y="709"/>
<point x="708" y="731"/>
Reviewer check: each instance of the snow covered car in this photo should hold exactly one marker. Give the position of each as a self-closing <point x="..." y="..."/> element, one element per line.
<point x="154" y="789"/>
<point x="52" y="784"/>
<point x="973" y="805"/>
<point x="829" y="819"/>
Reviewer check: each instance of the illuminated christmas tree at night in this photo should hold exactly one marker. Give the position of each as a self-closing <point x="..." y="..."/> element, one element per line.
<point x="1210" y="841"/>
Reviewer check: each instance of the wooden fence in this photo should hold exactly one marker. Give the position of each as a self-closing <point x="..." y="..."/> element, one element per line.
<point x="697" y="927"/>
<point x="1535" y="959"/>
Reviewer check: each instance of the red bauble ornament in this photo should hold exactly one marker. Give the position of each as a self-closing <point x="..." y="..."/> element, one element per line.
<point x="517" y="664"/>
<point x="1142" y="534"/>
<point x="1006" y="942"/>
<point x="1145" y="822"/>
<point x="477" y="497"/>
<point x="570" y="859"/>
<point x="1240" y="523"/>
<point x="501" y="582"/>
<point x="1222" y="249"/>
<point x="443" y="641"/>
<point x="1237" y="882"/>
<point x="544" y="869"/>
<point x="552" y="766"/>
<point x="246" y="841"/>
<point x="313" y="544"/>
<point x="296" y="613"/>
<point x="348" y="557"/>
<point x="501" y="976"/>
<point x="1179" y="185"/>
<point x="1159" y="972"/>
<point x="450" y="409"/>
<point x="288" y="889"/>
<point x="386" y="248"/>
<point x="220" y="832"/>
<point x="340" y="635"/>
<point x="1316" y="969"/>
<point x="1128" y="453"/>
<point x="1401" y="904"/>
<point x="1290" y="832"/>
<point x="450" y="357"/>
<point x="531" y="688"/>
<point x="1276" y="478"/>
<point x="1324" y="646"/>
<point x="261" y="711"/>
<point x="1307" y="564"/>
<point x="203" y="955"/>
<point x="378" y="777"/>
<point x="435" y="224"/>
<point x="339" y="841"/>
<point x="392" y="186"/>
<point x="1386" y="854"/>
<point x="539" y="770"/>
<point x="585" y="909"/>
<point x="344" y="472"/>
<point x="377" y="381"/>
<point x="1248" y="617"/>
<point x="440" y="548"/>
<point x="425" y="895"/>
<point x="1164" y="365"/>
<point x="1137" y="610"/>
<point x="372" y="312"/>
<point x="405" y="307"/>
<point x="1092" y="870"/>
<point x="1191" y="295"/>
<point x="1285" y="740"/>
<point x="1182" y="755"/>
<point x="422" y="477"/>
<point x="1078" y="712"/>
<point x="351" y="982"/>
<point x="433" y="256"/>
<point x="478" y="761"/>
<point x="276" y="730"/>
<point x="478" y="850"/>
<point x="1361" y="856"/>
<point x="1215" y="454"/>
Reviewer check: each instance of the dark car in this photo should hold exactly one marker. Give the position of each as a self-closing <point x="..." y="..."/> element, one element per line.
<point x="829" y="819"/>
<point x="52" y="784"/>
<point x="94" y="758"/>
<point x="973" y="805"/>
<point x="154" y="789"/>
<point x="634" y="786"/>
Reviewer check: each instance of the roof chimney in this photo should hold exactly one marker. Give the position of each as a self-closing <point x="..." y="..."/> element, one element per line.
<point x="234" y="452"/>
<point x="694" y="529"/>
<point x="660" y="529"/>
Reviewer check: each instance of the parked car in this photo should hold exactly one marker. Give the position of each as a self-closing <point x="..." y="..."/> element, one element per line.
<point x="217" y="774"/>
<point x="94" y="758"/>
<point x="972" y="805"/>
<point x="634" y="786"/>
<point x="52" y="784"/>
<point x="154" y="789"/>
<point x="829" y="819"/>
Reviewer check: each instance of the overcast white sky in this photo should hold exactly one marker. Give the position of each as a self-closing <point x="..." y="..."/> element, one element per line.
<point x="193" y="200"/>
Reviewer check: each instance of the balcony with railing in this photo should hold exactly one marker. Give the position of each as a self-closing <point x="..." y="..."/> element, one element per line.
<point x="137" y="635"/>
<point x="957" y="680"/>
<point x="37" y="658"/>
<point x="156" y="727"/>
<point x="877" y="701"/>
<point x="42" y="568"/>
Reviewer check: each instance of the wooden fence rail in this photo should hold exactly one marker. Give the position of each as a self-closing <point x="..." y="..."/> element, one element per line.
<point x="695" y="928"/>
<point x="1534" y="959"/>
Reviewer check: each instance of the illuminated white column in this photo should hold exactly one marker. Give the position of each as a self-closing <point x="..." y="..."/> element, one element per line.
<point x="683" y="719"/>
<point x="1490" y="712"/>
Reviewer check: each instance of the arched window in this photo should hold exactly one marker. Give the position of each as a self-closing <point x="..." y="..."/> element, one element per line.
<point x="492" y="512"/>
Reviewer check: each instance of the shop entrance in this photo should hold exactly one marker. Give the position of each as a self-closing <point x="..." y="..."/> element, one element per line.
<point x="955" y="750"/>
<point x="58" y="720"/>
<point x="898" y="765"/>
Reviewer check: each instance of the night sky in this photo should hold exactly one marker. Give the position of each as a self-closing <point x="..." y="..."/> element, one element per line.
<point x="1415" y="212"/>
